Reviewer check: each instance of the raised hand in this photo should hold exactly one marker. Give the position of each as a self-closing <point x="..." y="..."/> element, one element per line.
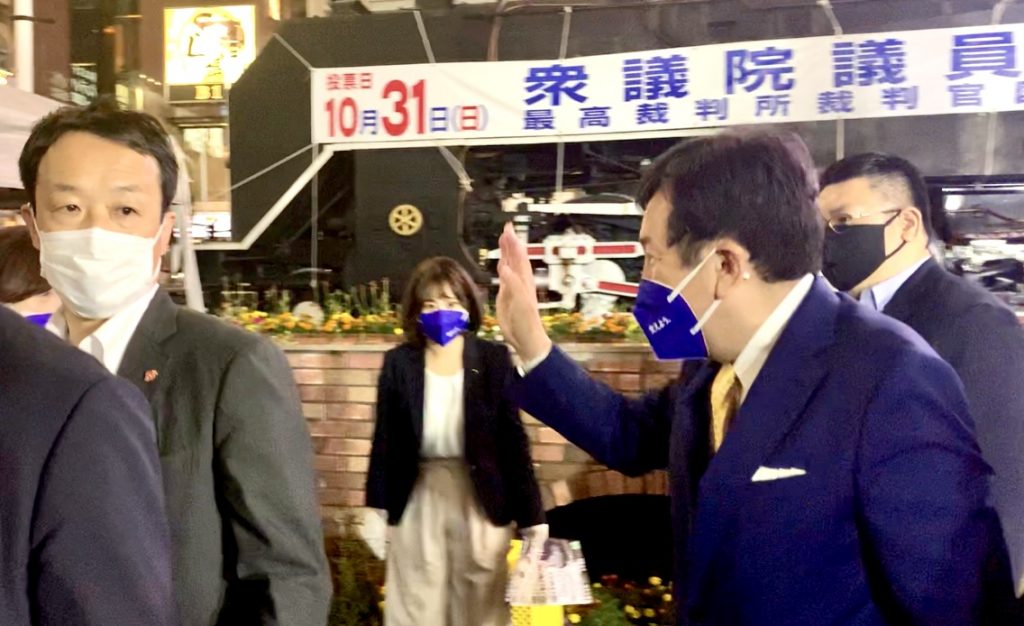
<point x="518" y="313"/>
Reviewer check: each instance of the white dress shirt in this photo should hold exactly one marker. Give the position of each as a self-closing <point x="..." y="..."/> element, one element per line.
<point x="754" y="355"/>
<point x="110" y="341"/>
<point x="879" y="296"/>
<point x="443" y="416"/>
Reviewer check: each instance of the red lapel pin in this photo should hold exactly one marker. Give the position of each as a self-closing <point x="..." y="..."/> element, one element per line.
<point x="150" y="375"/>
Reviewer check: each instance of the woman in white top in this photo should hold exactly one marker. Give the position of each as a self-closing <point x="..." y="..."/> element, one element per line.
<point x="450" y="462"/>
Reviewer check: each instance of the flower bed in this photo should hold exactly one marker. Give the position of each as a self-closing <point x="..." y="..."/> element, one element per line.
<point x="368" y="310"/>
<point x="624" y="603"/>
<point x="614" y="327"/>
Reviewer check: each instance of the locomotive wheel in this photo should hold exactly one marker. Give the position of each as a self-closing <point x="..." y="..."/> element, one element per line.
<point x="405" y="220"/>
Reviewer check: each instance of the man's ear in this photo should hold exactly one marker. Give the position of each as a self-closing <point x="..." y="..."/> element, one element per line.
<point x="911" y="224"/>
<point x="732" y="263"/>
<point x="28" y="214"/>
<point x="166" y="231"/>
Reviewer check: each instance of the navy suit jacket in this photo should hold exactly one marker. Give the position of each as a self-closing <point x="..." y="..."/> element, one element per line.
<point x="983" y="341"/>
<point x="889" y="525"/>
<point x="83" y="532"/>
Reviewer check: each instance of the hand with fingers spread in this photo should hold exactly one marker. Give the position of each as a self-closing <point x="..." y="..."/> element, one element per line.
<point x="518" y="312"/>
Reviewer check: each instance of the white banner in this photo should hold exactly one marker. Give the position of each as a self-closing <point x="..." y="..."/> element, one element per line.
<point x="923" y="72"/>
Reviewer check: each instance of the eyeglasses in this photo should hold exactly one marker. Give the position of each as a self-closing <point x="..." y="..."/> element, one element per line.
<point x="842" y="223"/>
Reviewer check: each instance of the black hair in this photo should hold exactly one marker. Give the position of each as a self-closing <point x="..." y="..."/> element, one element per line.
<point x="887" y="168"/>
<point x="757" y="188"/>
<point x="104" y="118"/>
<point x="20" y="273"/>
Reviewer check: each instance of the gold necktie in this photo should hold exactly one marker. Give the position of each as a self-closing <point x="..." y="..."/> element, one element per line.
<point x="726" y="391"/>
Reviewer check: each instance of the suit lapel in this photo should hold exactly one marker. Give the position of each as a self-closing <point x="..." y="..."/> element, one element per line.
<point x="772" y="409"/>
<point x="472" y="389"/>
<point x="415" y="385"/>
<point x="145" y="357"/>
<point x="908" y="297"/>
<point x="781" y="390"/>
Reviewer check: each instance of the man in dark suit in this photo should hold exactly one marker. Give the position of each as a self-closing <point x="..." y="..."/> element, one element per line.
<point x="823" y="467"/>
<point x="877" y="248"/>
<point x="234" y="449"/>
<point x="82" y="526"/>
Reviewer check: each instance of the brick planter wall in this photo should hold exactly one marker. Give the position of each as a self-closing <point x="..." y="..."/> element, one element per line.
<point x="337" y="381"/>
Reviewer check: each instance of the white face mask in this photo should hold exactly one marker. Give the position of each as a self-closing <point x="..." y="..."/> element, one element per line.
<point x="98" y="272"/>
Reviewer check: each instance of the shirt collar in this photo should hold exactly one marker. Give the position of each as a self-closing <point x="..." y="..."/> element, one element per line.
<point x="754" y="355"/>
<point x="110" y="341"/>
<point x="882" y="294"/>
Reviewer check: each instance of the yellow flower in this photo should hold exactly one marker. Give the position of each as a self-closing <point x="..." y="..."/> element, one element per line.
<point x="649" y="613"/>
<point x="667" y="597"/>
<point x="574" y="618"/>
<point x="655" y="581"/>
<point x="399" y="331"/>
<point x="597" y="585"/>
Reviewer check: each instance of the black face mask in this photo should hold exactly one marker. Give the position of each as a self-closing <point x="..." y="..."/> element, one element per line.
<point x="855" y="253"/>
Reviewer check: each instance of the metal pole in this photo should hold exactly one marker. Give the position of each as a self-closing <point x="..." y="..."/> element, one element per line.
<point x="183" y="212"/>
<point x="106" y="67"/>
<point x="992" y="126"/>
<point x="837" y="30"/>
<point x="314" y="231"/>
<point x="563" y="50"/>
<point x="24" y="45"/>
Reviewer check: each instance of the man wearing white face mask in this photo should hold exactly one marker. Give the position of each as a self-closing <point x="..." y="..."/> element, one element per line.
<point x="809" y="435"/>
<point x="235" y="454"/>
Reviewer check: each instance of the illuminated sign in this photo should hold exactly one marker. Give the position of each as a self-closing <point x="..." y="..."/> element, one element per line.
<point x="206" y="50"/>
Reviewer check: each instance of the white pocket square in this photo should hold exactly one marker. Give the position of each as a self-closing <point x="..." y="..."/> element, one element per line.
<point x="765" y="474"/>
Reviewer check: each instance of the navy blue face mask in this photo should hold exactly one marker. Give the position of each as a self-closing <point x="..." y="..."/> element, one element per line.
<point x="444" y="325"/>
<point x="39" y="319"/>
<point x="669" y="322"/>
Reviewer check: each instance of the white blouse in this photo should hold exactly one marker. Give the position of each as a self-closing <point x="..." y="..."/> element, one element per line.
<point x="443" y="416"/>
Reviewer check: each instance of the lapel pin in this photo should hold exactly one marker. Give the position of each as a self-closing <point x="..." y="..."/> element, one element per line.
<point x="150" y="375"/>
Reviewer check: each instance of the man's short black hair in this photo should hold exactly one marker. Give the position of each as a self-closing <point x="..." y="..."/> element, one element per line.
<point x="757" y="188"/>
<point x="884" y="170"/>
<point x="104" y="118"/>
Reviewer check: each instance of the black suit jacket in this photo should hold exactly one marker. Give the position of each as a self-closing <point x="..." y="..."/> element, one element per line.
<point x="83" y="534"/>
<point x="983" y="341"/>
<point x="237" y="471"/>
<point x="496" y="448"/>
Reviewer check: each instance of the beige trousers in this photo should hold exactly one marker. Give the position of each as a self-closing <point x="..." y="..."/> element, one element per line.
<point x="446" y="561"/>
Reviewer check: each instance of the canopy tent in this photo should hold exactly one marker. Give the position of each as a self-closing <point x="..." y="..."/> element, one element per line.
<point x="19" y="111"/>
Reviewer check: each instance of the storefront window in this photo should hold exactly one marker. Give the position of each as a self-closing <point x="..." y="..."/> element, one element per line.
<point x="207" y="150"/>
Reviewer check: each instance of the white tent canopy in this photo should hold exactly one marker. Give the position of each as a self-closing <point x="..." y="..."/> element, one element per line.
<point x="19" y="111"/>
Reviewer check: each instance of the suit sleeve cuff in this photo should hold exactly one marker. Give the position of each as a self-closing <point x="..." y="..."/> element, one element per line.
<point x="532" y="364"/>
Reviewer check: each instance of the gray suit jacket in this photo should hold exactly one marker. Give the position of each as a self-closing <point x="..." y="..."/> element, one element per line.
<point x="83" y="533"/>
<point x="237" y="471"/>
